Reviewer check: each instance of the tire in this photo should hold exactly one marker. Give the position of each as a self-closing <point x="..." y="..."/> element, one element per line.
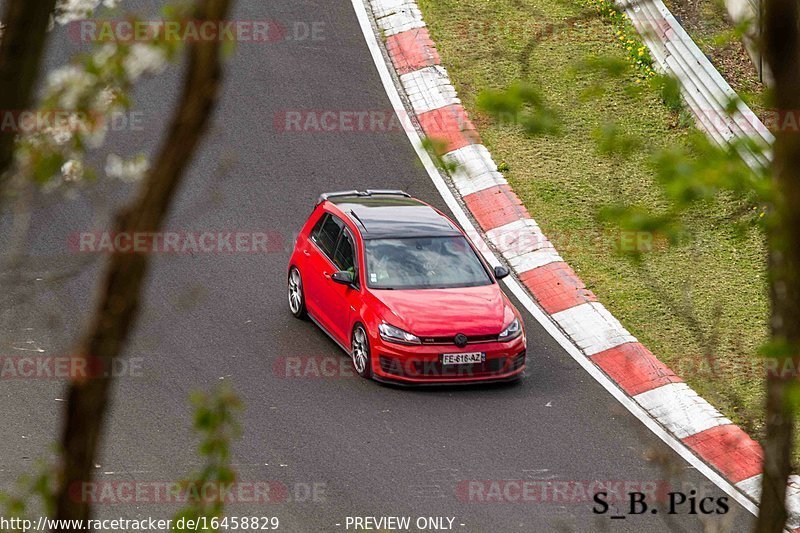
<point x="297" y="300"/>
<point x="360" y="352"/>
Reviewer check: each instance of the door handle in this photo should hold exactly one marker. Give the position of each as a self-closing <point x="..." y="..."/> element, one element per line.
<point x="328" y="276"/>
<point x="306" y="253"/>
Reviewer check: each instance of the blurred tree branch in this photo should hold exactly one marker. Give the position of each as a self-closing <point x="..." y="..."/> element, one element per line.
<point x="20" y="56"/>
<point x="118" y="303"/>
<point x="782" y="47"/>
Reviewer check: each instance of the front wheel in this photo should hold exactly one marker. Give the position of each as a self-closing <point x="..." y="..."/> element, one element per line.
<point x="360" y="352"/>
<point x="297" y="302"/>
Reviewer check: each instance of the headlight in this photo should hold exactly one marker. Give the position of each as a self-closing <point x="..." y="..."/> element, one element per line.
<point x="512" y="331"/>
<point x="393" y="334"/>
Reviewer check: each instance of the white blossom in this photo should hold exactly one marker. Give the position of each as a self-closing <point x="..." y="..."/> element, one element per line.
<point x="144" y="59"/>
<point x="60" y="133"/>
<point x="71" y="83"/>
<point x="72" y="170"/>
<point x="104" y="53"/>
<point x="70" y="10"/>
<point x="104" y="101"/>
<point x="127" y="170"/>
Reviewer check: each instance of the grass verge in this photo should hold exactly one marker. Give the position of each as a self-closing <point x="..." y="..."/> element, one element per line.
<point x="700" y="307"/>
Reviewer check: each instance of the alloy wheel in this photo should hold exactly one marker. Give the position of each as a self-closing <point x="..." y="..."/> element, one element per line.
<point x="296" y="302"/>
<point x="360" y="352"/>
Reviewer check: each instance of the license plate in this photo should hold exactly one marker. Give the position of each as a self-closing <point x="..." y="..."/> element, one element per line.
<point x="463" y="358"/>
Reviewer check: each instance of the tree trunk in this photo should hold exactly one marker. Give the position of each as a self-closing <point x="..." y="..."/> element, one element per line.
<point x="782" y="43"/>
<point x="20" y="55"/>
<point x="118" y="304"/>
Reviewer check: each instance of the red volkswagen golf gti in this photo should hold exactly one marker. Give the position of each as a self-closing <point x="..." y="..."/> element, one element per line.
<point x="403" y="291"/>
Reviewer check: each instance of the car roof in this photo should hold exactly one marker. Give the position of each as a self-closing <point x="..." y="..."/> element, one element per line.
<point x="387" y="216"/>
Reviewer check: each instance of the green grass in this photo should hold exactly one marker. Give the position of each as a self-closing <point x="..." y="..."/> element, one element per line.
<point x="684" y="303"/>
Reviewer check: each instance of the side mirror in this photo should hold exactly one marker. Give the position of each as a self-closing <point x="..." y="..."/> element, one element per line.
<point x="500" y="272"/>
<point x="342" y="276"/>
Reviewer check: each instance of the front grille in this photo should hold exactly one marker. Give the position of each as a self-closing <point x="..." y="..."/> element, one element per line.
<point x="435" y="369"/>
<point x="471" y="339"/>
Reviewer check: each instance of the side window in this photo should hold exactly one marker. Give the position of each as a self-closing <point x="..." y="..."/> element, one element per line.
<point x="326" y="233"/>
<point x="345" y="256"/>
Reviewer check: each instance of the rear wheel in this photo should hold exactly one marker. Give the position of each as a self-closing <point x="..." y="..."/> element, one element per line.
<point x="297" y="302"/>
<point x="360" y="354"/>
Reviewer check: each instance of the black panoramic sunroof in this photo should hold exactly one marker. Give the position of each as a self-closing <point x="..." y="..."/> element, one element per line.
<point x="392" y="216"/>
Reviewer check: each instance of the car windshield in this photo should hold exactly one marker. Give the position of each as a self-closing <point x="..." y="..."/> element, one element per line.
<point x="423" y="263"/>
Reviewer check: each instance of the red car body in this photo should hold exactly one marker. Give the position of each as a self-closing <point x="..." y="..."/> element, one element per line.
<point x="446" y="334"/>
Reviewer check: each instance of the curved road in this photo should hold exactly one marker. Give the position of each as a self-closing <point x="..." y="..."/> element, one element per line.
<point x="375" y="450"/>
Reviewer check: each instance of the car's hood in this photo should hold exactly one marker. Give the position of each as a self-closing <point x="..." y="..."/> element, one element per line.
<point x="444" y="312"/>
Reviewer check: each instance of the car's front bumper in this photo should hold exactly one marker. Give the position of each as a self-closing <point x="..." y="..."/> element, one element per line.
<point x="421" y="364"/>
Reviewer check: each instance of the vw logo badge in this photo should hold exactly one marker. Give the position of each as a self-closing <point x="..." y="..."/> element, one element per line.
<point x="461" y="340"/>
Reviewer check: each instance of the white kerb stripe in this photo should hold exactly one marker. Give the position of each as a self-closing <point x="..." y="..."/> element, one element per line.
<point x="502" y="235"/>
<point x="680" y="409"/>
<point x="476" y="158"/>
<point x="793" y="502"/>
<point x="475" y="169"/>
<point x="383" y="8"/>
<point x="533" y="260"/>
<point x="592" y="327"/>
<point x="405" y="16"/>
<point x="520" y="263"/>
<point x="523" y="245"/>
<point x="429" y="88"/>
<point x="751" y="486"/>
<point x="518" y="238"/>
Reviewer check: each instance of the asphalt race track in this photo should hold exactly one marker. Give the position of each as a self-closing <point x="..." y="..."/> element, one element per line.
<point x="369" y="450"/>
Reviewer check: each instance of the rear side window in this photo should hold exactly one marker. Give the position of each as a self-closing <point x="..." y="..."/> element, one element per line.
<point x="326" y="233"/>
